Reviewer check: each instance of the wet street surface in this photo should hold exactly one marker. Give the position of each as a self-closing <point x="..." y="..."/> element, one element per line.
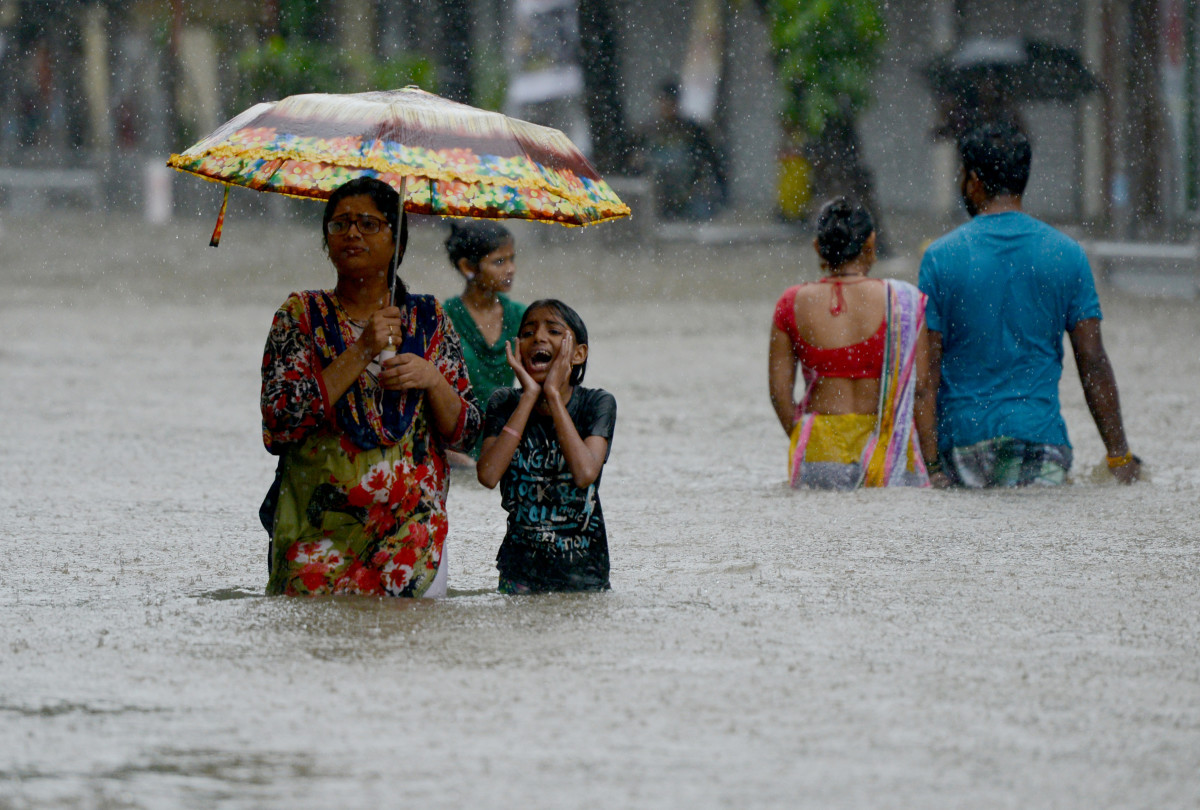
<point x="760" y="647"/>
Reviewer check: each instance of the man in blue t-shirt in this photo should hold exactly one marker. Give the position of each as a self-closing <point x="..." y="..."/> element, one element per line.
<point x="1002" y="290"/>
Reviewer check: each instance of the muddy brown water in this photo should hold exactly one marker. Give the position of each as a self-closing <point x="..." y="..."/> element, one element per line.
<point x="760" y="647"/>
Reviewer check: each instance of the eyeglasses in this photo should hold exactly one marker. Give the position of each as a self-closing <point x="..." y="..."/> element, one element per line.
<point x="366" y="225"/>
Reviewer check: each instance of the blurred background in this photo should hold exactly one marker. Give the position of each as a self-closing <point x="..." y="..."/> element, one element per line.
<point x="782" y="102"/>
<point x="761" y="648"/>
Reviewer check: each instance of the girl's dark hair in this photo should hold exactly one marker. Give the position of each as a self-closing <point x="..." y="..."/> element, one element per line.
<point x="472" y="239"/>
<point x="387" y="200"/>
<point x="842" y="230"/>
<point x="574" y="323"/>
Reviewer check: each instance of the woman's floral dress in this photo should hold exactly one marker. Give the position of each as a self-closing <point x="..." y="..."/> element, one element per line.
<point x="359" y="499"/>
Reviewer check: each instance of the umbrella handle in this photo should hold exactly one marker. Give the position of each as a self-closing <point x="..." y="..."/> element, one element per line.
<point x="387" y="354"/>
<point x="216" y="234"/>
<point x="390" y="351"/>
<point x="396" y="252"/>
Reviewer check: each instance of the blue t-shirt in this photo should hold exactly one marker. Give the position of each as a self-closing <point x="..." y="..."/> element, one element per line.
<point x="1002" y="290"/>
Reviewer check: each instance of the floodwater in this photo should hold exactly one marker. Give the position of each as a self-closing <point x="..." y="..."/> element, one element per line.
<point x="760" y="647"/>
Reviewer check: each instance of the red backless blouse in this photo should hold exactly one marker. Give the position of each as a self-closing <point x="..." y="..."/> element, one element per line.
<point x="858" y="361"/>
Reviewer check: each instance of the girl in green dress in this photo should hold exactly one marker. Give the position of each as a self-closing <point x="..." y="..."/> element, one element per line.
<point x="483" y="252"/>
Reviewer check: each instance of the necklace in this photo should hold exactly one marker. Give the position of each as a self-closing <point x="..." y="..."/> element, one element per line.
<point x="337" y="302"/>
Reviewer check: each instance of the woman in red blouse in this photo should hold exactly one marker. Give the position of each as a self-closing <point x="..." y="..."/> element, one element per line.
<point x="860" y="344"/>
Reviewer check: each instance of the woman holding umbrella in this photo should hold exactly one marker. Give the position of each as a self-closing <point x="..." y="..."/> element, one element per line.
<point x="358" y="504"/>
<point x="359" y="499"/>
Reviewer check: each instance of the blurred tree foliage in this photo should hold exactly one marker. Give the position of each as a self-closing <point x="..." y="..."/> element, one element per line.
<point x="826" y="52"/>
<point x="298" y="57"/>
<point x="283" y="66"/>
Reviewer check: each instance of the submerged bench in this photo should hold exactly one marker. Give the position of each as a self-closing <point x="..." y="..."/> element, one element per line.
<point x="1160" y="268"/>
<point x="27" y="188"/>
<point x="1152" y="251"/>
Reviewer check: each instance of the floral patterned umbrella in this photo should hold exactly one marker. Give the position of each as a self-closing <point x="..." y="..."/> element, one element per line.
<point x="444" y="157"/>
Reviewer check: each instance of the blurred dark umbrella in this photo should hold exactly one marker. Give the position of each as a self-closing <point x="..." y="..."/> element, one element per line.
<point x="1022" y="69"/>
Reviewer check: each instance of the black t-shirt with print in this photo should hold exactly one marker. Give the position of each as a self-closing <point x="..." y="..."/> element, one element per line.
<point x="555" y="539"/>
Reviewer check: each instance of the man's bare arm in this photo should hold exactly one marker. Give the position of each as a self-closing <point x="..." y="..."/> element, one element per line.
<point x="1100" y="392"/>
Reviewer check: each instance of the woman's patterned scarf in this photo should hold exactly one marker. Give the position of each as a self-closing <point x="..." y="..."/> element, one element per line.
<point x="392" y="413"/>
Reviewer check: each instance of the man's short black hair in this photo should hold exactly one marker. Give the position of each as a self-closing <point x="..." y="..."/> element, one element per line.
<point x="999" y="155"/>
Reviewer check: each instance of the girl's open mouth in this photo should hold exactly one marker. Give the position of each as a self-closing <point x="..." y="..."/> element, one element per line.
<point x="539" y="359"/>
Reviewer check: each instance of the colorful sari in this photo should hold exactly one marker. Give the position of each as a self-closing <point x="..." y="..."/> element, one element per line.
<point x="359" y="499"/>
<point x="864" y="450"/>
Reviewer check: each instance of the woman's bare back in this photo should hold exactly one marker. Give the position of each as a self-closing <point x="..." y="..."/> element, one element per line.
<point x="861" y="311"/>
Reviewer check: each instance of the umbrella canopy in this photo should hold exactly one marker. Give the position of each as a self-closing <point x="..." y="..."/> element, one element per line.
<point x="446" y="158"/>
<point x="1022" y="69"/>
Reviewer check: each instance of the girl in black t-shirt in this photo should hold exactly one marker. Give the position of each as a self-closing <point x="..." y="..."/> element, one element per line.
<point x="545" y="444"/>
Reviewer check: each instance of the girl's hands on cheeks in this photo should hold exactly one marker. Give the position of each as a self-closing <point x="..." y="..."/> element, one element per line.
<point x="528" y="384"/>
<point x="560" y="369"/>
<point x="408" y="371"/>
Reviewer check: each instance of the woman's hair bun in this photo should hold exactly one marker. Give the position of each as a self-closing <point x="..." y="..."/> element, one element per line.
<point x="842" y="230"/>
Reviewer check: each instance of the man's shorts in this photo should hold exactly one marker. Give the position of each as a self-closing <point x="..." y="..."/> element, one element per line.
<point x="1007" y="462"/>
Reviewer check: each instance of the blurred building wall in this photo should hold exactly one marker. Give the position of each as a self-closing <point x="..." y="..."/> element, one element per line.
<point x="1074" y="143"/>
<point x="746" y="119"/>
<point x="1126" y="157"/>
<point x="897" y="130"/>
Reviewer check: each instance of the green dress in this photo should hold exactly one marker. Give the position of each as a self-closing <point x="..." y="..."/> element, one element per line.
<point x="487" y="365"/>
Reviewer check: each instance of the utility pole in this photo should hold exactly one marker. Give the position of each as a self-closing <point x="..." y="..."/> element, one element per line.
<point x="1147" y="186"/>
<point x="1114" y="206"/>
<point x="456" y="82"/>
<point x="602" y="89"/>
